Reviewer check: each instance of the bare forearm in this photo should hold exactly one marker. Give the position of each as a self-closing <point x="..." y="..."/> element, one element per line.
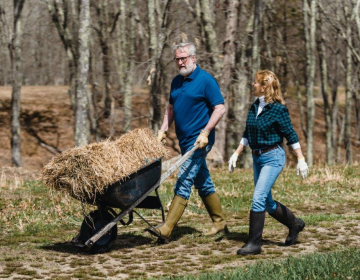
<point x="168" y="118"/>
<point x="298" y="153"/>
<point x="217" y="114"/>
<point x="239" y="149"/>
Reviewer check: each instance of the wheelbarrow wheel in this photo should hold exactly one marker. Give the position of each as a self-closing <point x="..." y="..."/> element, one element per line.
<point x="92" y="224"/>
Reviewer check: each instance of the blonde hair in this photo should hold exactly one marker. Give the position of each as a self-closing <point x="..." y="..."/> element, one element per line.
<point x="272" y="91"/>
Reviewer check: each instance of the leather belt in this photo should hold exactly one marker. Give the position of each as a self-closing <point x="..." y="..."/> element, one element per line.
<point x="265" y="150"/>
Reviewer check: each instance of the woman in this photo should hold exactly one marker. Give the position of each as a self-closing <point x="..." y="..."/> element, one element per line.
<point x="268" y="122"/>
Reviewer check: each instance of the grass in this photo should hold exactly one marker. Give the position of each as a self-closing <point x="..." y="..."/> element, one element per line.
<point x="335" y="265"/>
<point x="40" y="223"/>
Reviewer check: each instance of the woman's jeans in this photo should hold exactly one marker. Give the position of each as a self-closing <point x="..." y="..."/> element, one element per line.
<point x="194" y="171"/>
<point x="267" y="168"/>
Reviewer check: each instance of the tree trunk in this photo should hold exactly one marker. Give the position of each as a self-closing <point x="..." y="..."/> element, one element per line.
<point x="81" y="103"/>
<point x="15" y="55"/>
<point x="256" y="31"/>
<point x="341" y="125"/>
<point x="325" y="92"/>
<point x="335" y="105"/>
<point x="267" y="27"/>
<point x="309" y="29"/>
<point x="212" y="49"/>
<point x="241" y="99"/>
<point x="210" y="37"/>
<point x="122" y="45"/>
<point x="59" y="12"/>
<point x="155" y="106"/>
<point x="348" y="102"/>
<point x="129" y="81"/>
<point x="156" y="73"/>
<point x="226" y="79"/>
<point x="356" y="96"/>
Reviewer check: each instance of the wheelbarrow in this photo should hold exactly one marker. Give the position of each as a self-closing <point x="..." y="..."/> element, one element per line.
<point x="98" y="231"/>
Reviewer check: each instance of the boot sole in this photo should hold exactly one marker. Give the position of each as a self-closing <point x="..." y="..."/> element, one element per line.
<point x="161" y="239"/>
<point x="297" y="237"/>
<point x="241" y="253"/>
<point x="225" y="230"/>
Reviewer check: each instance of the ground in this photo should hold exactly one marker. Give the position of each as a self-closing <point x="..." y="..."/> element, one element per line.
<point x="36" y="226"/>
<point x="36" y="229"/>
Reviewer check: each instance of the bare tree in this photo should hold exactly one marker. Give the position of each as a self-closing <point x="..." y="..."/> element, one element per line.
<point x="129" y="79"/>
<point x="323" y="65"/>
<point x="256" y="33"/>
<point x="310" y="45"/>
<point x="226" y="79"/>
<point x="156" y="51"/>
<point x="13" y="37"/>
<point x="212" y="50"/>
<point x="241" y="98"/>
<point x="211" y="43"/>
<point x="59" y="11"/>
<point x="349" y="85"/>
<point x="81" y="100"/>
<point x="106" y="24"/>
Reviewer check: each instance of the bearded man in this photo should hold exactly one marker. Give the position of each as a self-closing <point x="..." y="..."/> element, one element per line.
<point x="196" y="105"/>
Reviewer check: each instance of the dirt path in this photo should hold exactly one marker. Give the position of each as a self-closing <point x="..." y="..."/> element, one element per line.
<point x="136" y="254"/>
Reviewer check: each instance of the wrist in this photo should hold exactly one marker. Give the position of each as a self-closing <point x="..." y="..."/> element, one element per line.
<point x="205" y="132"/>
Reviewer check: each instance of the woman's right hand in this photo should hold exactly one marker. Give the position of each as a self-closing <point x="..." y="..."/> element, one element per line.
<point x="232" y="162"/>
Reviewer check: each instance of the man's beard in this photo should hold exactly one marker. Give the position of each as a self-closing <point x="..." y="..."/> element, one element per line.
<point x="188" y="69"/>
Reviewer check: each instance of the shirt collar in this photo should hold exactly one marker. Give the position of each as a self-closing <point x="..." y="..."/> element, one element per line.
<point x="194" y="74"/>
<point x="266" y="107"/>
<point x="262" y="102"/>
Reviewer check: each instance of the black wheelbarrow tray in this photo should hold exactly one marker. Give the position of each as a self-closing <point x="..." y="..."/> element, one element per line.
<point x="98" y="231"/>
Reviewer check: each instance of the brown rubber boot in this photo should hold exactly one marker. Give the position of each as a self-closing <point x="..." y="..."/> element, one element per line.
<point x="213" y="206"/>
<point x="176" y="210"/>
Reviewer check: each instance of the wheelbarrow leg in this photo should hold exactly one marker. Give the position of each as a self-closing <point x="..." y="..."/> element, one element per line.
<point x="161" y="208"/>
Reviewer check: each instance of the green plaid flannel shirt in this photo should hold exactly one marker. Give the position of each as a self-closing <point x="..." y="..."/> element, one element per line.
<point x="270" y="127"/>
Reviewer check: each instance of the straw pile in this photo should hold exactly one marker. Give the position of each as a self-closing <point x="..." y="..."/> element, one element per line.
<point x="86" y="171"/>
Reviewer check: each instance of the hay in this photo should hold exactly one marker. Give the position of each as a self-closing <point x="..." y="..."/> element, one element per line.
<point x="84" y="172"/>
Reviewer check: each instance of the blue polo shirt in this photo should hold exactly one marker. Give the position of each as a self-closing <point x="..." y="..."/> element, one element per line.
<point x="193" y="99"/>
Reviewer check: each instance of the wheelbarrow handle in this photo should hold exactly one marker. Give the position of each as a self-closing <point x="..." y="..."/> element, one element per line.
<point x="172" y="168"/>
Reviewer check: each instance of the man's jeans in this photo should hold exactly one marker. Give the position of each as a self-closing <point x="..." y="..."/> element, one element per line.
<point x="194" y="171"/>
<point x="267" y="168"/>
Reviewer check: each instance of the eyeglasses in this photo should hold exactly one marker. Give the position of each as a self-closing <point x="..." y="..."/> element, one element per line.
<point x="182" y="59"/>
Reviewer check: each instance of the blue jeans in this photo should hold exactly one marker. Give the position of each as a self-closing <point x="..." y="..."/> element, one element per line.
<point x="194" y="171"/>
<point x="267" y="168"/>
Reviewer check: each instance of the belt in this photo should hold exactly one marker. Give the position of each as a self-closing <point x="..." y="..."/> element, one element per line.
<point x="263" y="151"/>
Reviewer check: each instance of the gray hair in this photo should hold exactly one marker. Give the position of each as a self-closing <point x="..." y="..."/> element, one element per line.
<point x="190" y="48"/>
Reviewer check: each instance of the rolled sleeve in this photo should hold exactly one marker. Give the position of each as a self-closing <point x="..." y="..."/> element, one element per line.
<point x="244" y="141"/>
<point x="295" y="146"/>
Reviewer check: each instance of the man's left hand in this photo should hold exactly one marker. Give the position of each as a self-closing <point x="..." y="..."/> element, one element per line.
<point x="202" y="139"/>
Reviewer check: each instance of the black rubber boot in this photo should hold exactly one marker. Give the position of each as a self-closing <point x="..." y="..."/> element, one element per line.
<point x="253" y="246"/>
<point x="283" y="215"/>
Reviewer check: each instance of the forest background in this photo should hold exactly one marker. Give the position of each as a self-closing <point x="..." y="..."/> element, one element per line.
<point x="74" y="72"/>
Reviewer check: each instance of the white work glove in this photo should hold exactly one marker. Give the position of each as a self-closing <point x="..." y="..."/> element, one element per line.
<point x="232" y="162"/>
<point x="162" y="136"/>
<point x="202" y="139"/>
<point x="302" y="168"/>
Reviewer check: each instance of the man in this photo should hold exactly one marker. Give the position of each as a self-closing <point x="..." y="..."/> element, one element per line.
<point x="196" y="105"/>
